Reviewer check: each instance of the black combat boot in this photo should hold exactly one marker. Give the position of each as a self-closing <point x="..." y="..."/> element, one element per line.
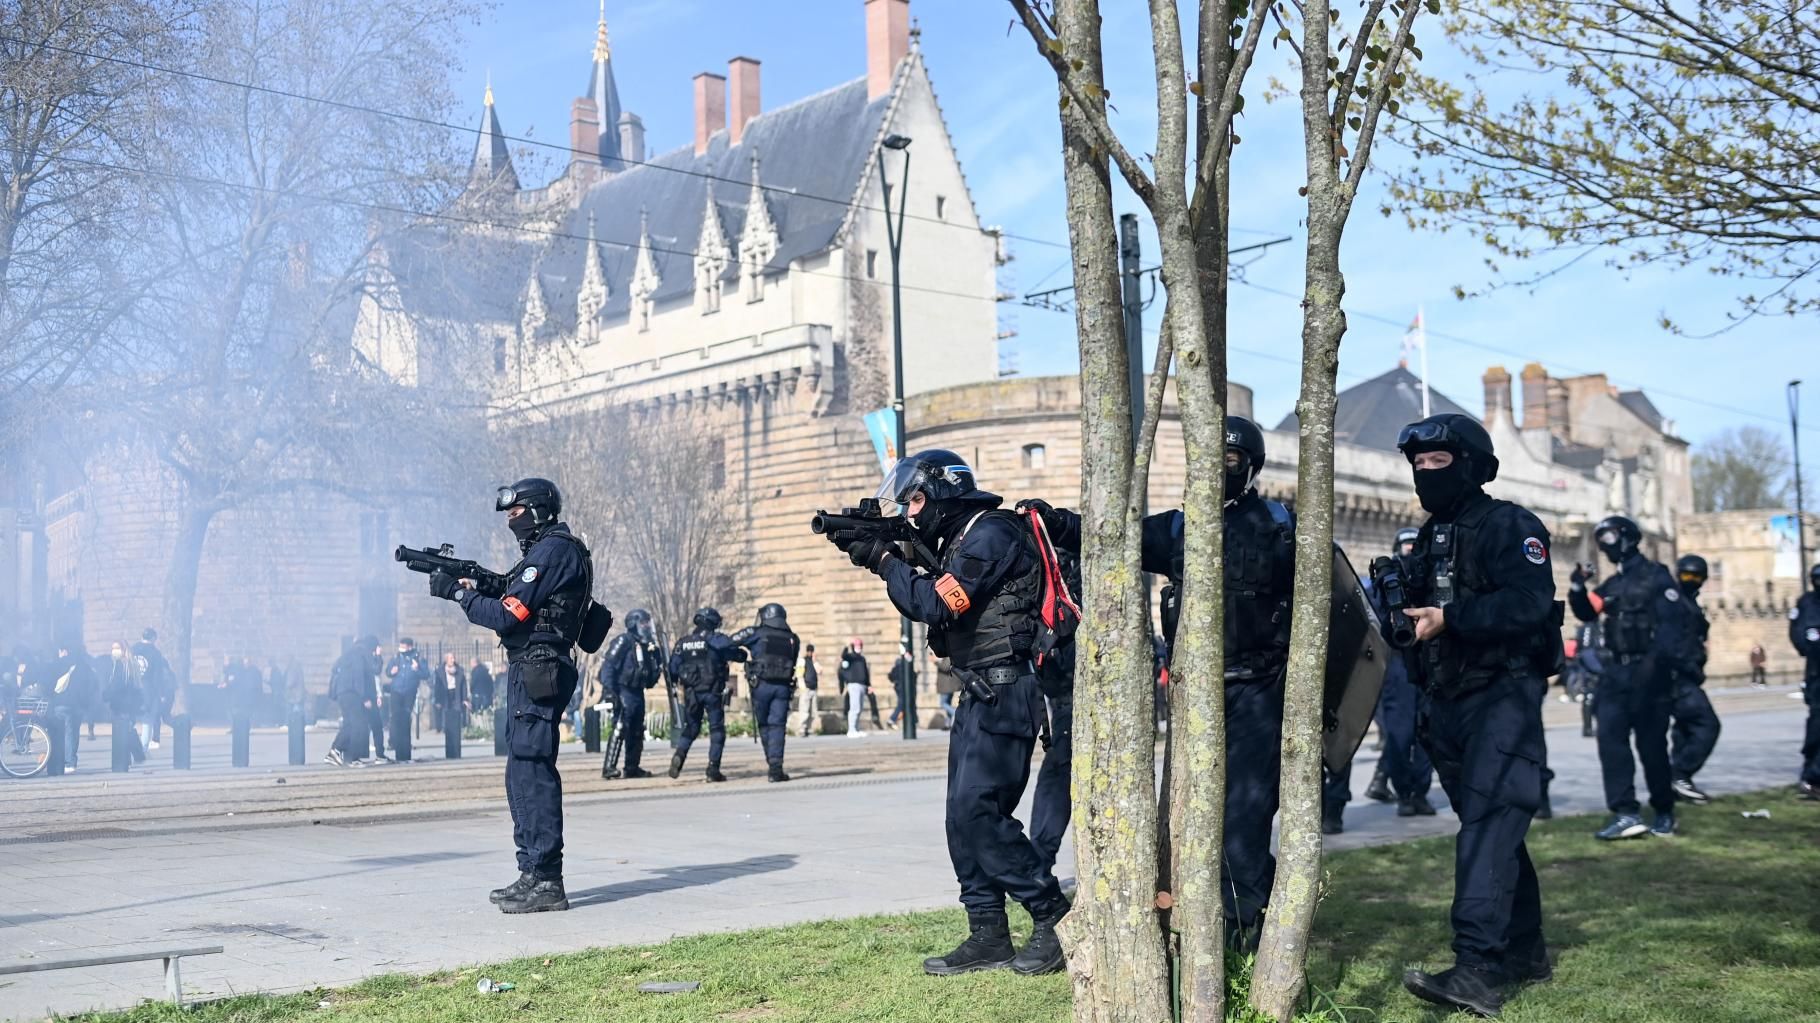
<point x="714" y="772"/>
<point x="676" y="761"/>
<point x="542" y="897"/>
<point x="1470" y="988"/>
<point x="635" y="772"/>
<point x="777" y="773"/>
<point x="1530" y="967"/>
<point x="1333" y="818"/>
<point x="610" y="775"/>
<point x="513" y="890"/>
<point x="1415" y="806"/>
<point x="1379" y="789"/>
<point x="1043" y="952"/>
<point x="988" y="947"/>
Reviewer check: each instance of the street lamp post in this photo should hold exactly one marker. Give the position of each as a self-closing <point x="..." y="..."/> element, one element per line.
<point x="1794" y="429"/>
<point x="894" y="235"/>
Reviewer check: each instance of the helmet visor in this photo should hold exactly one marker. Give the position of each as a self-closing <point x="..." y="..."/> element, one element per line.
<point x="504" y="498"/>
<point x="1426" y="434"/>
<point x="893" y="494"/>
<point x="1607" y="537"/>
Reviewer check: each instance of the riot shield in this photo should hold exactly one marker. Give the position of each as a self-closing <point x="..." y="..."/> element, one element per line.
<point x="1357" y="657"/>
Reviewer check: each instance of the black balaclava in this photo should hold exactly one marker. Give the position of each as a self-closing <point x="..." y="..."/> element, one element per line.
<point x="1442" y="491"/>
<point x="525" y="529"/>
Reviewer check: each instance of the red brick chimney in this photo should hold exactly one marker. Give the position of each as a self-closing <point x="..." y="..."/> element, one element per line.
<point x="1497" y="394"/>
<point x="584" y="132"/>
<point x="710" y="108"/>
<point x="1535" y="397"/>
<point x="742" y="96"/>
<point x="887" y="41"/>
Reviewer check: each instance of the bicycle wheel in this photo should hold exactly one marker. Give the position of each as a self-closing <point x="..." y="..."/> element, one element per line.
<point x="26" y="751"/>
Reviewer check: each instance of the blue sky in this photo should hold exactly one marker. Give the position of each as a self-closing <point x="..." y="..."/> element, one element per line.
<point x="999" y="99"/>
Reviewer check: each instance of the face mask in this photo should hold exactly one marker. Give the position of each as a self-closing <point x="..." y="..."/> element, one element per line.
<point x="119" y="655"/>
<point x="522" y="527"/>
<point x="1441" y="490"/>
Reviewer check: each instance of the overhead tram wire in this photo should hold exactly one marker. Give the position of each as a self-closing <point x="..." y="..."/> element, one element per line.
<point x="430" y="122"/>
<point x="1508" y="353"/>
<point x="373" y="207"/>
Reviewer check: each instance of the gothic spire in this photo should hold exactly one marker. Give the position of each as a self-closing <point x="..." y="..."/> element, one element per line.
<point x="492" y="166"/>
<point x="605" y="94"/>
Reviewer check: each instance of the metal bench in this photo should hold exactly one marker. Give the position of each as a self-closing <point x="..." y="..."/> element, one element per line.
<point x="173" y="984"/>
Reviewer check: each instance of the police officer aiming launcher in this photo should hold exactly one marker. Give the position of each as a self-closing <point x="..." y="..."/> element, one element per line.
<point x="541" y="610"/>
<point x="771" y="675"/>
<point x="699" y="664"/>
<point x="978" y="595"/>
<point x="1487" y="635"/>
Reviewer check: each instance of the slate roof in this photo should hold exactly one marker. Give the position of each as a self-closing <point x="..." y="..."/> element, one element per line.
<point x="1371" y="414"/>
<point x="449" y="273"/>
<point x="492" y="158"/>
<point x="1642" y="407"/>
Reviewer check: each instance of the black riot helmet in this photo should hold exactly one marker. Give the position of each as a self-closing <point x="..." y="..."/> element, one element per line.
<point x="707" y="618"/>
<point x="773" y="615"/>
<point x="946" y="482"/>
<point x="1244" y="439"/>
<point x="539" y="498"/>
<point x="1406" y="540"/>
<point x="1461" y="435"/>
<point x="1618" y="537"/>
<point x="1690" y="572"/>
<point x="638" y="623"/>
<point x="1813" y="577"/>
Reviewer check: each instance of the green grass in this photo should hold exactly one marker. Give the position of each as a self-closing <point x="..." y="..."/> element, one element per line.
<point x="1721" y="925"/>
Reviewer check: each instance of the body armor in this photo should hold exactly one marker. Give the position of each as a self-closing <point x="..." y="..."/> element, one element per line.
<point x="1628" y="619"/>
<point x="998" y="631"/>
<point x="773" y="656"/>
<point x="1257" y="609"/>
<point x="1451" y="565"/>
<point x="703" y="669"/>
<point x="558" y="621"/>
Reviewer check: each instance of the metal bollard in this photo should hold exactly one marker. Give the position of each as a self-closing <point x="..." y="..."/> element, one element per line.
<point x="180" y="742"/>
<point x="401" y="745"/>
<point x="295" y="725"/>
<point x="590" y="730"/>
<point x="452" y="723"/>
<point x="499" y="730"/>
<point x="242" y="728"/>
<point x="123" y="744"/>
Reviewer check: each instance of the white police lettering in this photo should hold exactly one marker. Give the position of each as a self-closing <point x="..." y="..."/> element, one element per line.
<point x="530" y="574"/>
<point x="1534" y="551"/>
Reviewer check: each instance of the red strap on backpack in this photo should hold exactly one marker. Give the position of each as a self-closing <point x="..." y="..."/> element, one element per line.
<point x="1055" y="587"/>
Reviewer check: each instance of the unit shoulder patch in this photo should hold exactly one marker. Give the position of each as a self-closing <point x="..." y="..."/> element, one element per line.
<point x="1535" y="550"/>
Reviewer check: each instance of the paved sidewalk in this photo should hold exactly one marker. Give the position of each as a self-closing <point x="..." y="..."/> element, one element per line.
<point x="307" y="906"/>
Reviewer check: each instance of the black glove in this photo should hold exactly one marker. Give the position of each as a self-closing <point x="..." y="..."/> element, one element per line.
<point x="844" y="539"/>
<point x="868" y="552"/>
<point x="1578" y="576"/>
<point x="443" y="585"/>
<point x="1052" y="520"/>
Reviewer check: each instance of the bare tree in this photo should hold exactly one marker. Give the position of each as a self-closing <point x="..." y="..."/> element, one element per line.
<point x="265" y="211"/>
<point x="1742" y="468"/>
<point x="77" y="98"/>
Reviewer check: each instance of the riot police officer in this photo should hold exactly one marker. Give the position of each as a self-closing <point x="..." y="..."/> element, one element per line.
<point x="1051" y="804"/>
<point x="1804" y="633"/>
<point x="1641" y="625"/>
<point x="539" y="618"/>
<point x="1487" y="631"/>
<point x="1696" y="727"/>
<point x="699" y="662"/>
<point x="632" y="665"/>
<point x="771" y="675"/>
<point x="1404" y="775"/>
<point x="1259" y="540"/>
<point x="980" y="604"/>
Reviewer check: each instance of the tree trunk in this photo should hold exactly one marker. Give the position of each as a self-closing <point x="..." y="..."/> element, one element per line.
<point x="1280" y="975"/>
<point x="1116" y="953"/>
<point x="180" y="591"/>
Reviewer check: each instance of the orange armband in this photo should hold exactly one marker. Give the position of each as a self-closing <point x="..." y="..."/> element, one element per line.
<point x="949" y="589"/>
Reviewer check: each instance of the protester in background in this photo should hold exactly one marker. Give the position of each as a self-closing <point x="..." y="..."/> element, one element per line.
<point x="1759" y="660"/>
<point x="404" y="676"/>
<point x="480" y="684"/>
<point x="449" y="688"/>
<point x="946" y="685"/>
<point x="157" y="682"/>
<point x="810" y="679"/>
<point x="903" y="680"/>
<point x="352" y="687"/>
<point x="125" y="696"/>
<point x="71" y="694"/>
<point x="856" y="679"/>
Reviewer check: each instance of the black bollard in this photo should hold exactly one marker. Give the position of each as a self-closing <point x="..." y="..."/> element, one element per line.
<point x="401" y="745"/>
<point x="451" y="730"/>
<point x="180" y="742"/>
<point x="295" y="725"/>
<point x="590" y="730"/>
<point x="53" y="729"/>
<point x="242" y="727"/>
<point x="499" y="730"/>
<point x="123" y="744"/>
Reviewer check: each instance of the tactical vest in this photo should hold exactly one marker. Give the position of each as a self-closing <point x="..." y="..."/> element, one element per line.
<point x="647" y="664"/>
<point x="1453" y="564"/>
<point x="1628" y="619"/>
<point x="1002" y="629"/>
<point x="1806" y="615"/>
<point x="558" y="621"/>
<point x="702" y="668"/>
<point x="773" y="657"/>
<point x="1256" y="611"/>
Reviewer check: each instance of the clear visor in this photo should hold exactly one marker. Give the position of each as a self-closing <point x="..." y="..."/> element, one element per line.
<point x="1608" y="538"/>
<point x="893" y="494"/>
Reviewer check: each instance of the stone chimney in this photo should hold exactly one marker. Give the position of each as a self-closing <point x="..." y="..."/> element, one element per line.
<point x="710" y="108"/>
<point x="584" y="133"/>
<point x="631" y="138"/>
<point x="742" y="96"/>
<point x="1497" y="395"/>
<point x="1535" y="397"/>
<point x="887" y="41"/>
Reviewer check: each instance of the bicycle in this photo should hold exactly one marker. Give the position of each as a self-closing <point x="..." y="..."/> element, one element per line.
<point x="25" y="745"/>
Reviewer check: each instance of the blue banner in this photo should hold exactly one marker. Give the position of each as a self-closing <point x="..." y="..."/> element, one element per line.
<point x="882" y="425"/>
